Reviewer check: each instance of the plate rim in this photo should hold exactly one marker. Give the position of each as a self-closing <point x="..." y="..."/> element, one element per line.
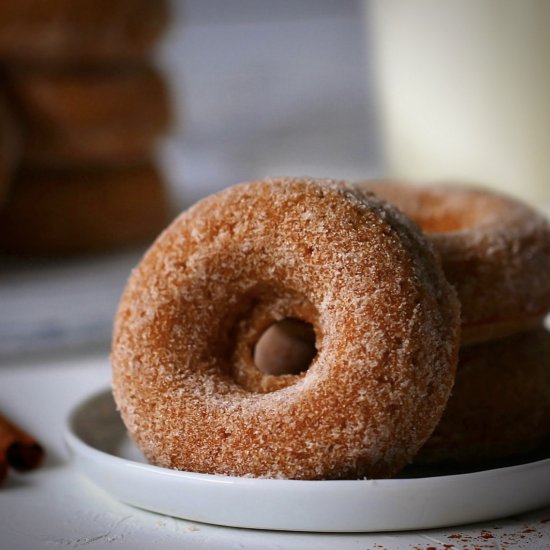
<point x="332" y="506"/>
<point x="71" y="436"/>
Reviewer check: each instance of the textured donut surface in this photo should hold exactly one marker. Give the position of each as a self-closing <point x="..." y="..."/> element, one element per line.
<point x="385" y="318"/>
<point x="500" y="404"/>
<point x="495" y="251"/>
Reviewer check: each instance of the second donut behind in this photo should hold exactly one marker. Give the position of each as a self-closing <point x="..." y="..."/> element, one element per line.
<point x="495" y="251"/>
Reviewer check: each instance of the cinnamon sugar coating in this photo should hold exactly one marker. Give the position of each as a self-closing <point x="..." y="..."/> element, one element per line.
<point x="495" y="251"/>
<point x="385" y="318"/>
<point x="500" y="404"/>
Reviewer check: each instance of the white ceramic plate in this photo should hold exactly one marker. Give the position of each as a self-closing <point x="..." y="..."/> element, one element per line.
<point x="101" y="449"/>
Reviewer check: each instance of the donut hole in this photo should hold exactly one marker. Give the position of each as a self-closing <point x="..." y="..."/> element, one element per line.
<point x="440" y="224"/>
<point x="451" y="211"/>
<point x="285" y="347"/>
<point x="439" y="209"/>
<point x="272" y="339"/>
<point x="437" y="213"/>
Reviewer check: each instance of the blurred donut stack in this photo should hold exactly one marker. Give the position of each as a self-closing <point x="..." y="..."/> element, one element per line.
<point x="81" y="109"/>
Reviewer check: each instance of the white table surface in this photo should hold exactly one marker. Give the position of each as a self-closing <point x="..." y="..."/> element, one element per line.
<point x="56" y="507"/>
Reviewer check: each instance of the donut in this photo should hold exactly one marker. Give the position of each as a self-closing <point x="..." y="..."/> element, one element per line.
<point x="500" y="404"/>
<point x="499" y="407"/>
<point x="386" y="325"/>
<point x="494" y="249"/>
<point x="80" y="211"/>
<point x="89" y="117"/>
<point x="46" y="32"/>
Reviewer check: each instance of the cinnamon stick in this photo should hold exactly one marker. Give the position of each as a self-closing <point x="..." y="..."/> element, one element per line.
<point x="17" y="448"/>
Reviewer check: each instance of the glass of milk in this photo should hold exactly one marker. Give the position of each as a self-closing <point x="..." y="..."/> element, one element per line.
<point x="464" y="91"/>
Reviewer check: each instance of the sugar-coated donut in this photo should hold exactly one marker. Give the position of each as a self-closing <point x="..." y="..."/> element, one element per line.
<point x="495" y="251"/>
<point x="80" y="32"/>
<point x="386" y="323"/>
<point x="79" y="211"/>
<point x="89" y="117"/>
<point x="500" y="404"/>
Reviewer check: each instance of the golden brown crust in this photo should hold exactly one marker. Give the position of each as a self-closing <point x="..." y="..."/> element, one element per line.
<point x="89" y="117"/>
<point x="386" y="324"/>
<point x="77" y="211"/>
<point x="500" y="404"/>
<point x="80" y="32"/>
<point x="495" y="251"/>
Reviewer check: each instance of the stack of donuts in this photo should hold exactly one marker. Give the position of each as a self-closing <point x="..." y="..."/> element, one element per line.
<point x="310" y="329"/>
<point x="495" y="251"/>
<point x="88" y="107"/>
